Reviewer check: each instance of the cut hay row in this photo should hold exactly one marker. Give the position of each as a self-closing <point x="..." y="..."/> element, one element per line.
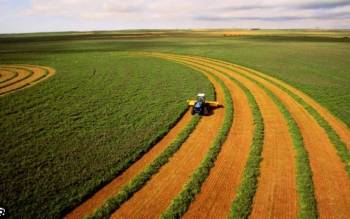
<point x="115" y="193"/>
<point x="217" y="192"/>
<point x="139" y="181"/>
<point x="337" y="131"/>
<point x="323" y="159"/>
<point x="303" y="120"/>
<point x="278" y="149"/>
<point x="24" y="76"/>
<point x="152" y="200"/>
<point x="181" y="202"/>
<point x="6" y="75"/>
<point x="281" y="185"/>
<point x="307" y="203"/>
<point x="231" y="160"/>
<point x="95" y="203"/>
<point x="324" y="162"/>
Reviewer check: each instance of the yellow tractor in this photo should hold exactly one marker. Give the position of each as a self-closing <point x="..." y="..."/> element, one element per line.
<point x="202" y="106"/>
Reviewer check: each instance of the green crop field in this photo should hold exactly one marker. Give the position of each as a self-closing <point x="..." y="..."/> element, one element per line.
<point x="314" y="61"/>
<point x="65" y="138"/>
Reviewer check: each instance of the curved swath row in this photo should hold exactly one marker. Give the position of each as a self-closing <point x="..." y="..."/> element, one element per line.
<point x="277" y="148"/>
<point x="17" y="77"/>
<point x="276" y="192"/>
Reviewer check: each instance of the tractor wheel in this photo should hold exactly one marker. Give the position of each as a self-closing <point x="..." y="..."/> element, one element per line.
<point x="192" y="111"/>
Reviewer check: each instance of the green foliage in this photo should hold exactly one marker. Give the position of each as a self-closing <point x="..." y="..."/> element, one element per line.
<point x="315" y="62"/>
<point x="63" y="139"/>
<point x="182" y="201"/>
<point x="140" y="180"/>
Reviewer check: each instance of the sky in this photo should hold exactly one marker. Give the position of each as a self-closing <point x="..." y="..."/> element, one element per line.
<point x="18" y="16"/>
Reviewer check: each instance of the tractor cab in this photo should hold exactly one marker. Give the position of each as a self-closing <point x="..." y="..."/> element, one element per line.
<point x="201" y="106"/>
<point x="201" y="97"/>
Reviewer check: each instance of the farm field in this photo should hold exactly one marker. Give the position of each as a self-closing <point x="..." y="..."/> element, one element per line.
<point x="109" y="135"/>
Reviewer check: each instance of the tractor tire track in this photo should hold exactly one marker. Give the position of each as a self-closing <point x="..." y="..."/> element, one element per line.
<point x="112" y="188"/>
<point x="156" y="195"/>
<point x="276" y="194"/>
<point x="26" y="76"/>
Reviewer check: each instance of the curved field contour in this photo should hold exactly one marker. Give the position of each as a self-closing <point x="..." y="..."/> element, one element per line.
<point x="276" y="195"/>
<point x="20" y="76"/>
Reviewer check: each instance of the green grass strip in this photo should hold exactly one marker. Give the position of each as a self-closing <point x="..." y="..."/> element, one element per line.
<point x="340" y="146"/>
<point x="182" y="201"/>
<point x="140" y="180"/>
<point x="242" y="204"/>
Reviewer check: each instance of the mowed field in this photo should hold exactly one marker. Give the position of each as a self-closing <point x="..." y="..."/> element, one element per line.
<point x="109" y="134"/>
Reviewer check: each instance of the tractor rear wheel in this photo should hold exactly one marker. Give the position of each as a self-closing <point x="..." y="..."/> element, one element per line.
<point x="192" y="111"/>
<point x="206" y="110"/>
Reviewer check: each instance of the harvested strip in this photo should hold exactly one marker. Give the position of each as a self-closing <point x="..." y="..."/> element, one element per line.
<point x="330" y="180"/>
<point x="23" y="74"/>
<point x="111" y="189"/>
<point x="6" y="75"/>
<point x="140" y="180"/>
<point x="340" y="146"/>
<point x="307" y="202"/>
<point x="28" y="75"/>
<point x="218" y="191"/>
<point x="157" y="194"/>
<point x="331" y="191"/>
<point x="339" y="127"/>
<point x="180" y="204"/>
<point x="276" y="194"/>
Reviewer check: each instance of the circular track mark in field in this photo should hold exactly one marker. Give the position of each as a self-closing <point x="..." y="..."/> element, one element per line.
<point x="7" y="75"/>
<point x="20" y="76"/>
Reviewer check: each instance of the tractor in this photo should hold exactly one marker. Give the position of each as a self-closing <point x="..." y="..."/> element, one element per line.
<point x="201" y="106"/>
